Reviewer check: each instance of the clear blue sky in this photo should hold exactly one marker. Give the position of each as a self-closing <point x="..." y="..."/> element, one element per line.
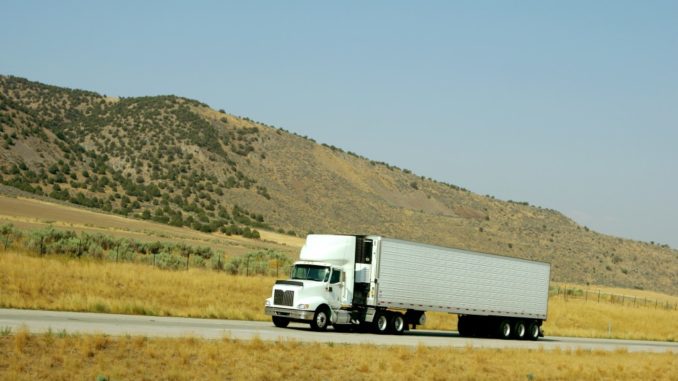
<point x="569" y="105"/>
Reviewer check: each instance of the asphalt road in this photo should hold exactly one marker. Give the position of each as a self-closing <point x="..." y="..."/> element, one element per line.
<point x="111" y="324"/>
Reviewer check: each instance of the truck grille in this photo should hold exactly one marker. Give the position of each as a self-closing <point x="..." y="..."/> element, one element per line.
<point x="283" y="298"/>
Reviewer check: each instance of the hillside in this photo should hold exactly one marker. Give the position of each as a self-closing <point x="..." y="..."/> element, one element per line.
<point x="176" y="161"/>
<point x="38" y="213"/>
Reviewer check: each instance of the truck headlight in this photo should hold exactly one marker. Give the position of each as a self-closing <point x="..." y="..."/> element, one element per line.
<point x="268" y="302"/>
<point x="302" y="306"/>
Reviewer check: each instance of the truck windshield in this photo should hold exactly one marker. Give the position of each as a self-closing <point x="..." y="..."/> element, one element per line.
<point x="311" y="272"/>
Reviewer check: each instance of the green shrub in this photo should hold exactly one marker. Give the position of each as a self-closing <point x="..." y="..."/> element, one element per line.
<point x="166" y="260"/>
<point x="8" y="233"/>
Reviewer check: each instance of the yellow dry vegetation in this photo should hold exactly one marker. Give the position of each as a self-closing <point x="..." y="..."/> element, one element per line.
<point x="590" y="319"/>
<point x="58" y="283"/>
<point x="64" y="357"/>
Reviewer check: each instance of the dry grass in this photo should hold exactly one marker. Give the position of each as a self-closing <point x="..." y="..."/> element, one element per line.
<point x="29" y="357"/>
<point x="56" y="283"/>
<point x="590" y="319"/>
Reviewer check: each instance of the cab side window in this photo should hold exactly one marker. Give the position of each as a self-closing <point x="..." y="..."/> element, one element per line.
<point x="336" y="276"/>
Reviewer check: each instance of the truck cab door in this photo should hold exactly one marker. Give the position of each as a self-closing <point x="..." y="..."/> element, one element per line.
<point x="335" y="289"/>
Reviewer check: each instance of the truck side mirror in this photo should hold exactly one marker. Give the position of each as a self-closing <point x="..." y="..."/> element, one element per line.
<point x="342" y="278"/>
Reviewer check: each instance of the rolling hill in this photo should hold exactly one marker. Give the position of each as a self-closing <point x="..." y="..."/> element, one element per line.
<point x="177" y="161"/>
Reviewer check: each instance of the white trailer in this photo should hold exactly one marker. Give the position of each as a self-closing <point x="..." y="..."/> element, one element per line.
<point x="386" y="285"/>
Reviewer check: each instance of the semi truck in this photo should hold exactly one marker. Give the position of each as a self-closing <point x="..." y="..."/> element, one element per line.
<point x="386" y="285"/>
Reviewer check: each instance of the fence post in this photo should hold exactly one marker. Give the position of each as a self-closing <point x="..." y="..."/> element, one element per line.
<point x="586" y="296"/>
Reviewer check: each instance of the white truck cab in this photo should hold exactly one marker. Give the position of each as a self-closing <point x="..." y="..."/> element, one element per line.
<point x="320" y="283"/>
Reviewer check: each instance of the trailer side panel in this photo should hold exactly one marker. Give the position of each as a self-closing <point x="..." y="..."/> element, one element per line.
<point x="431" y="278"/>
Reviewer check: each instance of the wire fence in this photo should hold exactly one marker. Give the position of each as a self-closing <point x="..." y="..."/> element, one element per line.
<point x="597" y="296"/>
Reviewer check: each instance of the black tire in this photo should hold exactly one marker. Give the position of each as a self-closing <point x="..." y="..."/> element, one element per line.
<point x="321" y="319"/>
<point x="519" y="330"/>
<point x="532" y="331"/>
<point x="397" y="323"/>
<point x="280" y="322"/>
<point x="504" y="329"/>
<point x="381" y="323"/>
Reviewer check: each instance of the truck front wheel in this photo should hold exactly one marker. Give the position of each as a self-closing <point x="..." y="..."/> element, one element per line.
<point x="280" y="322"/>
<point x="320" y="319"/>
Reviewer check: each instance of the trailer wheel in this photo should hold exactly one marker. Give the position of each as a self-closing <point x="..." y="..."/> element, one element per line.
<point x="504" y="329"/>
<point x="533" y="331"/>
<point x="519" y="330"/>
<point x="381" y="323"/>
<point x="280" y="322"/>
<point x="397" y="322"/>
<point x="320" y="320"/>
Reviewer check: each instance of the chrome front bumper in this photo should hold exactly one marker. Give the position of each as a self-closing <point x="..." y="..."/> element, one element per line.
<point x="289" y="313"/>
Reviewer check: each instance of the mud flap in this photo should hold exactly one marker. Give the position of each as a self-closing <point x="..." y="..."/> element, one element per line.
<point x="369" y="315"/>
